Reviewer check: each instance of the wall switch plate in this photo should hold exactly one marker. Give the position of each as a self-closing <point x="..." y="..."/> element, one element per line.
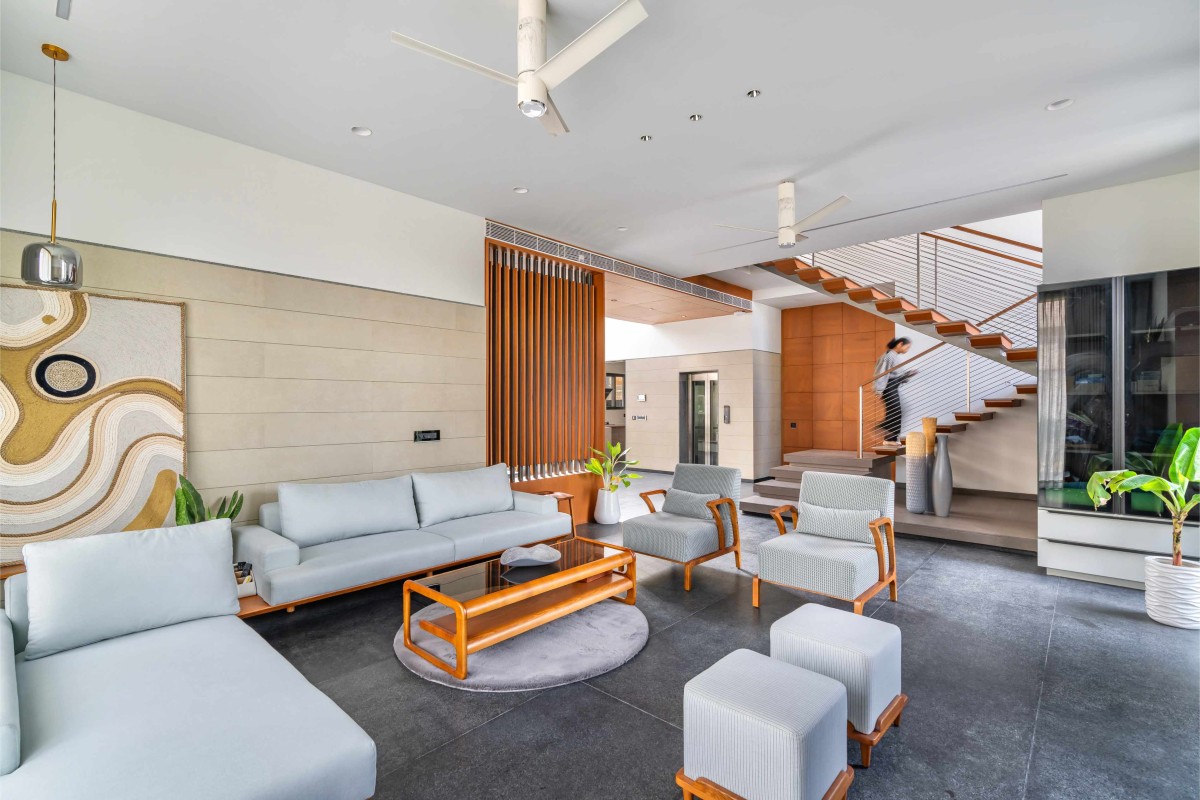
<point x="726" y="415"/>
<point x="792" y="425"/>
<point x="641" y="398"/>
<point x="636" y="417"/>
<point x="427" y="436"/>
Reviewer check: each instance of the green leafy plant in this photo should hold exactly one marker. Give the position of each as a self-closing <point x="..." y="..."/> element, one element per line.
<point x="1171" y="490"/>
<point x="612" y="466"/>
<point x="190" y="508"/>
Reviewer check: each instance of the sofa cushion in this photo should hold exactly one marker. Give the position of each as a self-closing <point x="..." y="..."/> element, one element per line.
<point x="833" y="567"/>
<point x="443" y="496"/>
<point x="671" y="536"/>
<point x="16" y="608"/>
<point x="836" y="523"/>
<point x="10" y="714"/>
<point x="200" y="710"/>
<point x="315" y="513"/>
<point x="332" y="566"/>
<point x="500" y="530"/>
<point x="85" y="590"/>
<point x="688" y="504"/>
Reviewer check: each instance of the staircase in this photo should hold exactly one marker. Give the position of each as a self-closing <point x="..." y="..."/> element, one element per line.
<point x="891" y="279"/>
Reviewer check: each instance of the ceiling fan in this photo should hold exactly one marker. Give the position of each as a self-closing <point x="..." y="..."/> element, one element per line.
<point x="790" y="231"/>
<point x="537" y="75"/>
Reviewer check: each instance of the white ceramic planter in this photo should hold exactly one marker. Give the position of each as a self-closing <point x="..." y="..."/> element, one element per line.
<point x="608" y="508"/>
<point x="1173" y="593"/>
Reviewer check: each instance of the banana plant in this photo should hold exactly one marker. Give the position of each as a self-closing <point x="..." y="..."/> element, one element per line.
<point x="612" y="466"/>
<point x="190" y="508"/>
<point x="1172" y="490"/>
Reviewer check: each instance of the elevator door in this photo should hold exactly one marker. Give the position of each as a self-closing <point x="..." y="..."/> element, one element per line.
<point x="703" y="415"/>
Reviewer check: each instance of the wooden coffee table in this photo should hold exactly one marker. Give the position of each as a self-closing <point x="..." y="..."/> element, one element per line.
<point x="489" y="603"/>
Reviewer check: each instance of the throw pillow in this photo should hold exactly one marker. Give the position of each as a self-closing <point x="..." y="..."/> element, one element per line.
<point x="443" y="496"/>
<point x="836" y="523"/>
<point x="688" y="504"/>
<point x="87" y="590"/>
<point x="315" y="513"/>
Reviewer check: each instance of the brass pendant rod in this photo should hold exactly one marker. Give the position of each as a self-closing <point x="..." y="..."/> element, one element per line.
<point x="54" y="151"/>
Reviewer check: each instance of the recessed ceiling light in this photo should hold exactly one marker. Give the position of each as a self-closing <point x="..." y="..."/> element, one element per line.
<point x="645" y="137"/>
<point x="622" y="228"/>
<point x="359" y="130"/>
<point x="695" y="117"/>
<point x="520" y="190"/>
<point x="1059" y="104"/>
<point x="753" y="93"/>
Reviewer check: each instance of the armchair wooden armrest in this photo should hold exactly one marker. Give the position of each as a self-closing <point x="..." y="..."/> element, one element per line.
<point x="778" y="512"/>
<point x="877" y="535"/>
<point x="714" y="506"/>
<point x="647" y="495"/>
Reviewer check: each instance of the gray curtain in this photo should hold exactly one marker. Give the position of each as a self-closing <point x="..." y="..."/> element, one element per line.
<point x="1052" y="389"/>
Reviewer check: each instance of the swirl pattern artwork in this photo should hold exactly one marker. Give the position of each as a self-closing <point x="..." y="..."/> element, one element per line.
<point x="91" y="414"/>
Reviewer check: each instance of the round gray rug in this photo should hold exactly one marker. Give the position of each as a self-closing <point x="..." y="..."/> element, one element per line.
<point x="581" y="645"/>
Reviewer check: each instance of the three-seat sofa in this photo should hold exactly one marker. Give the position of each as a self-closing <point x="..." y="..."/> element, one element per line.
<point x="325" y="539"/>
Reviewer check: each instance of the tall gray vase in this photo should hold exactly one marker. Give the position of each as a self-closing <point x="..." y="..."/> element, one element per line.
<point x="941" y="481"/>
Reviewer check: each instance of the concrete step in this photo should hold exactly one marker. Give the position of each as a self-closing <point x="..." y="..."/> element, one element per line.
<point x="832" y="458"/>
<point x="784" y="491"/>
<point x="794" y="472"/>
<point x="755" y="504"/>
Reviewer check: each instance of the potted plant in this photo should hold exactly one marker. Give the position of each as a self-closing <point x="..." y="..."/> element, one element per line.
<point x="190" y="508"/>
<point x="612" y="466"/>
<point x="1172" y="585"/>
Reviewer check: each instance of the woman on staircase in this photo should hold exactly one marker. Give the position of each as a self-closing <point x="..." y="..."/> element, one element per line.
<point x="888" y="386"/>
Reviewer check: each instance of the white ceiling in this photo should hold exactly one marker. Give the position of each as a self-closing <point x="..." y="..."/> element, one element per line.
<point x="894" y="104"/>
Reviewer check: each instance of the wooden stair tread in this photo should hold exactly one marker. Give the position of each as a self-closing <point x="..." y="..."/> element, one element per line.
<point x="894" y="305"/>
<point x="974" y="416"/>
<point x="867" y="294"/>
<point x="813" y="274"/>
<point x="1022" y="354"/>
<point x="1026" y="388"/>
<point x="1003" y="402"/>
<point x="990" y="340"/>
<point x="957" y="328"/>
<point x="924" y="316"/>
<point x="951" y="427"/>
<point x="839" y="285"/>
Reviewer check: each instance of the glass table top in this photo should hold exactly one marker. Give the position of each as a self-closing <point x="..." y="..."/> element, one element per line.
<point x="487" y="577"/>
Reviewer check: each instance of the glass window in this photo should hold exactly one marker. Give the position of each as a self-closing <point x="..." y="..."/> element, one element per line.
<point x="1162" y="372"/>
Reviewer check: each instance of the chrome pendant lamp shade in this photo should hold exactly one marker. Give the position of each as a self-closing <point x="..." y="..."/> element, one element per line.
<point x="52" y="263"/>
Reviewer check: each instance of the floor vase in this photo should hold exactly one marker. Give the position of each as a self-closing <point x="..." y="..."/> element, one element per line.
<point x="941" y="481"/>
<point x="916" y="473"/>
<point x="608" y="507"/>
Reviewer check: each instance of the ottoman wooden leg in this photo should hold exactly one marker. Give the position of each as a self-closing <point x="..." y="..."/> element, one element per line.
<point x="687" y="577"/>
<point x="754" y="592"/>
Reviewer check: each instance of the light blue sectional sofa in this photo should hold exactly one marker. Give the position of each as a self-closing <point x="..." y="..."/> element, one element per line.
<point x="322" y="539"/>
<point x="124" y="673"/>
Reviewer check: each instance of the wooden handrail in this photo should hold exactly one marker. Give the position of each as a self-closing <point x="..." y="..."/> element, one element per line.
<point x="1004" y="311"/>
<point x="902" y="364"/>
<point x="982" y="249"/>
<point x="994" y="237"/>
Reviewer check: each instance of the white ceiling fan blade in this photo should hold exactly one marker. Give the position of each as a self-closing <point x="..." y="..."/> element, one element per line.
<point x="814" y="218"/>
<point x="450" y="58"/>
<point x="591" y="43"/>
<point x="552" y="121"/>
<point x="732" y="246"/>
<point x="741" y="228"/>
<point x="63" y="10"/>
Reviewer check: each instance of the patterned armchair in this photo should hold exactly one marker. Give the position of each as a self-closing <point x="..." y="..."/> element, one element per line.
<point x="698" y="520"/>
<point x="843" y="544"/>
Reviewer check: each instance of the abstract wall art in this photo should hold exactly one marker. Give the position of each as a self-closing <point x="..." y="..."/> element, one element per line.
<point x="91" y="414"/>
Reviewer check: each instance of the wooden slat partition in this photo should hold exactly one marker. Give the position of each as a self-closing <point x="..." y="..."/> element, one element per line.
<point x="545" y="363"/>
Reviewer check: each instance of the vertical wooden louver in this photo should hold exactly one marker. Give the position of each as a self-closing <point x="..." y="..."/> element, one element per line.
<point x="545" y="363"/>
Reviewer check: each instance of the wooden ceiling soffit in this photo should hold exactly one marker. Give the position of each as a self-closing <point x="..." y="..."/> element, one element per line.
<point x="634" y="293"/>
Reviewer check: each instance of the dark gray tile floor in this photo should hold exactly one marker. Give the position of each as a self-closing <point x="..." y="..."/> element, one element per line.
<point x="1021" y="686"/>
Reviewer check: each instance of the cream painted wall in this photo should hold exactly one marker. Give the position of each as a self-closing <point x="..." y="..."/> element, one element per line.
<point x="291" y="379"/>
<point x="135" y="181"/>
<point x="748" y="384"/>
<point x="757" y="330"/>
<point x="1123" y="230"/>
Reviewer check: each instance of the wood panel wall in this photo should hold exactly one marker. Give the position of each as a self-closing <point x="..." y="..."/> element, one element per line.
<point x="291" y="379"/>
<point x="545" y="367"/>
<point x="828" y="351"/>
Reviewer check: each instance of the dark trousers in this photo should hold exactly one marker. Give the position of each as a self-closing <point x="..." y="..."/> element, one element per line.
<point x="892" y="412"/>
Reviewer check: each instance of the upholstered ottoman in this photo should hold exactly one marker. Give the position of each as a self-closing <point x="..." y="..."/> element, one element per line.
<point x="861" y="653"/>
<point x="763" y="730"/>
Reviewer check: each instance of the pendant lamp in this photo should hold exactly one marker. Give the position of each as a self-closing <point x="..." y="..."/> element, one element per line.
<point x="51" y="263"/>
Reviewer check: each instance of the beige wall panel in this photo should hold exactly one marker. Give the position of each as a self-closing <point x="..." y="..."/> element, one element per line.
<point x="395" y="338"/>
<point x="250" y="324"/>
<point x="290" y="430"/>
<point x="226" y="432"/>
<point x="214" y="395"/>
<point x="427" y="455"/>
<point x="427" y="397"/>
<point x="237" y="467"/>
<point x="470" y="318"/>
<point x="225" y="358"/>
